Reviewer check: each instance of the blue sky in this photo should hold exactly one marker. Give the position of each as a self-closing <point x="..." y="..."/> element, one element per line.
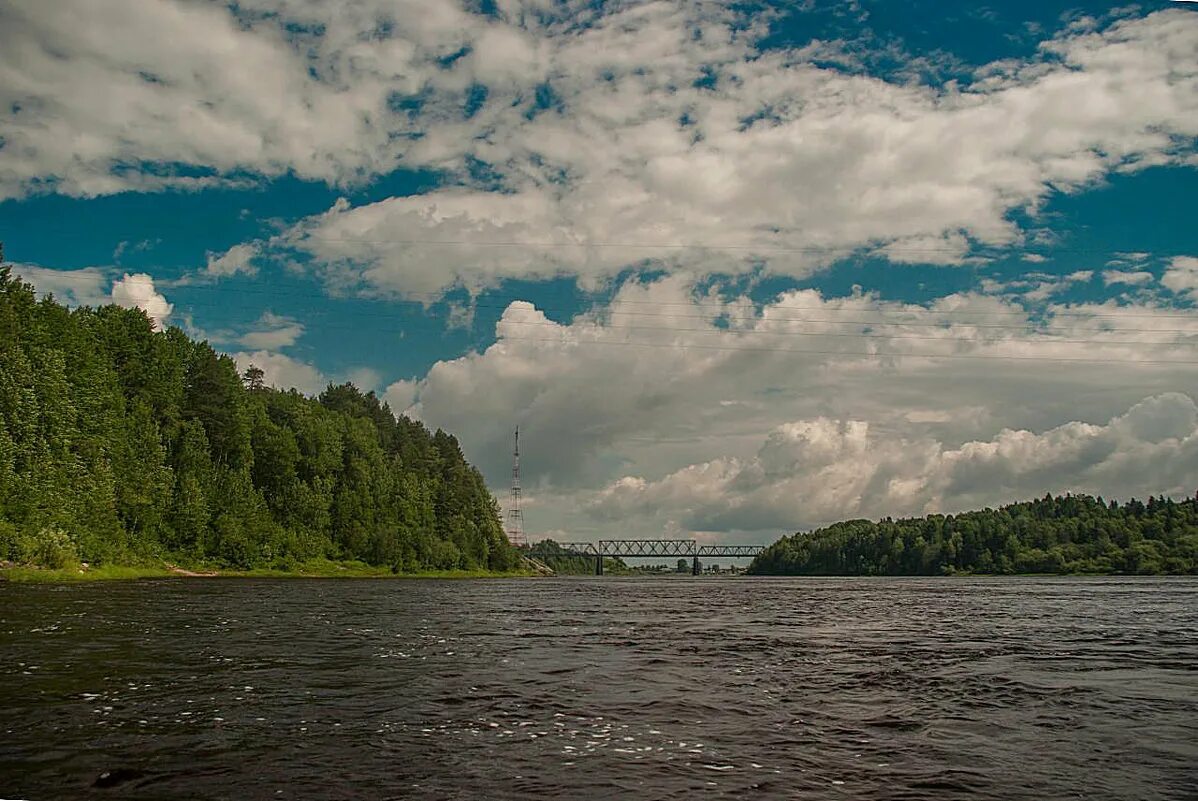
<point x="735" y="269"/>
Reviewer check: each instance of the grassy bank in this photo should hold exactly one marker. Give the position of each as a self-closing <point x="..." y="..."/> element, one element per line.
<point x="40" y="575"/>
<point x="315" y="569"/>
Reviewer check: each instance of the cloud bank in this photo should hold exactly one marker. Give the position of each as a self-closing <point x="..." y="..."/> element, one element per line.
<point x="823" y="470"/>
<point x="879" y="400"/>
<point x="577" y="140"/>
<point x="775" y="161"/>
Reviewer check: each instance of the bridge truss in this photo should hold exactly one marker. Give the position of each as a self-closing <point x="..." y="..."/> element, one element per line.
<point x="658" y="548"/>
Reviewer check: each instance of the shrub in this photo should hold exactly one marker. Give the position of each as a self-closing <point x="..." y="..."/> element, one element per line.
<point x="10" y="539"/>
<point x="446" y="556"/>
<point x="50" y="547"/>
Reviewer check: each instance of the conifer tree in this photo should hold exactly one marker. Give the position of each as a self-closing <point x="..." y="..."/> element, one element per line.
<point x="120" y="443"/>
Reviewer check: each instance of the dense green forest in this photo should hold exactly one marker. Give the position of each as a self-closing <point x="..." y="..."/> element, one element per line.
<point x="1068" y="534"/>
<point x="570" y="563"/>
<point x="123" y="445"/>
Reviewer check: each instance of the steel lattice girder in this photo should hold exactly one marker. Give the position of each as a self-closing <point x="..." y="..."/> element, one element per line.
<point x="730" y="550"/>
<point x="649" y="548"/>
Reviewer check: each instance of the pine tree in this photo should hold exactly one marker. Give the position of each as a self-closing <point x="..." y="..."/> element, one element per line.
<point x="119" y="443"/>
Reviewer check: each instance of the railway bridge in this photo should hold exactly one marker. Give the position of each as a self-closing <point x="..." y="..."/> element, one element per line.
<point x="686" y="549"/>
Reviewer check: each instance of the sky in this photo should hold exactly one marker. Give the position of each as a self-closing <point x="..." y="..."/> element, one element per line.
<point x="734" y="269"/>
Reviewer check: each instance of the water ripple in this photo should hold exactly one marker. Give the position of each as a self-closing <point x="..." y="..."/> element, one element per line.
<point x="612" y="688"/>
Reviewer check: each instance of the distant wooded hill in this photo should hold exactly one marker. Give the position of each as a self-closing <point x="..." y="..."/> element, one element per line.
<point x="1066" y="534"/>
<point x="120" y="444"/>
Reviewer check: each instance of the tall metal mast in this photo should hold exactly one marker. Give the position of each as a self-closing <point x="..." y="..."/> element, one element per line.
<point x="515" y="518"/>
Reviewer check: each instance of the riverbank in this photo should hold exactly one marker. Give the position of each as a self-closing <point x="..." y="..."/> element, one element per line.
<point x="317" y="569"/>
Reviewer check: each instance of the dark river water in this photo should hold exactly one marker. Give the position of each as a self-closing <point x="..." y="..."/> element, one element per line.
<point x="671" y="688"/>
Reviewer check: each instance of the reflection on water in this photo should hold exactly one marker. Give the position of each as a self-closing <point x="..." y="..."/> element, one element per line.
<point x="598" y="688"/>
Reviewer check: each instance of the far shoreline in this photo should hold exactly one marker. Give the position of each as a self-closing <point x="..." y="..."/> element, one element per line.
<point x="24" y="574"/>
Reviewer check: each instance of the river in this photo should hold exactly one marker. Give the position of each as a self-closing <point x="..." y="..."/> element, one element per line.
<point x="646" y="688"/>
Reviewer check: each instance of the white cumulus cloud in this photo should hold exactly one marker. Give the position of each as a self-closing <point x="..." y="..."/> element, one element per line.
<point x="1127" y="277"/>
<point x="662" y="378"/>
<point x="816" y="471"/>
<point x="1182" y="275"/>
<point x="782" y="163"/>
<point x="237" y="259"/>
<point x="663" y="124"/>
<point x="85" y="287"/>
<point x="282" y="371"/>
<point x="137" y="291"/>
<point x="271" y="332"/>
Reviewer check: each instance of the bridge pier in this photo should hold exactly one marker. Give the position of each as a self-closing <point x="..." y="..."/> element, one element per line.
<point x="599" y="564"/>
<point x="695" y="568"/>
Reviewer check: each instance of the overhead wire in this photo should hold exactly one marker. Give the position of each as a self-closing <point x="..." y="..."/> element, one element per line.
<point x="866" y="250"/>
<point x="880" y="355"/>
<point x="726" y="310"/>
<point x="729" y="311"/>
<point x="1045" y="337"/>
<point x="813" y="335"/>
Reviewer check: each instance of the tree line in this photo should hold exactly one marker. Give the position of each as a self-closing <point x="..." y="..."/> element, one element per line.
<point x="120" y="444"/>
<point x="572" y="563"/>
<point x="1055" y="534"/>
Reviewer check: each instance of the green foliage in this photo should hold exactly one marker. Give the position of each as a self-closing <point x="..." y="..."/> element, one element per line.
<point x="49" y="547"/>
<point x="10" y="541"/>
<point x="1067" y="534"/>
<point x="570" y="563"/>
<point x="122" y="445"/>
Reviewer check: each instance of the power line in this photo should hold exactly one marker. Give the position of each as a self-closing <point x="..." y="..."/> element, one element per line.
<point x="1044" y="337"/>
<point x="869" y="249"/>
<point x="939" y="325"/>
<point x="864" y="250"/>
<point x="861" y="335"/>
<point x="750" y="333"/>
<point x="442" y="296"/>
<point x="980" y="357"/>
<point x="858" y="354"/>
<point x="908" y="309"/>
<point x="947" y="326"/>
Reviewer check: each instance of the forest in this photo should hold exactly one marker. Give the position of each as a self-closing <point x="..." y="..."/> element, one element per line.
<point x="120" y="444"/>
<point x="1055" y="534"/>
<point x="572" y="563"/>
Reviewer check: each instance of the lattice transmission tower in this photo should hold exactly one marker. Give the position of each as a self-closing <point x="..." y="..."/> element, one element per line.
<point x="515" y="518"/>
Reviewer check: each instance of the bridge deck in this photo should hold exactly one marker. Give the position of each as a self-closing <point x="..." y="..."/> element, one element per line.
<point x="660" y="548"/>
